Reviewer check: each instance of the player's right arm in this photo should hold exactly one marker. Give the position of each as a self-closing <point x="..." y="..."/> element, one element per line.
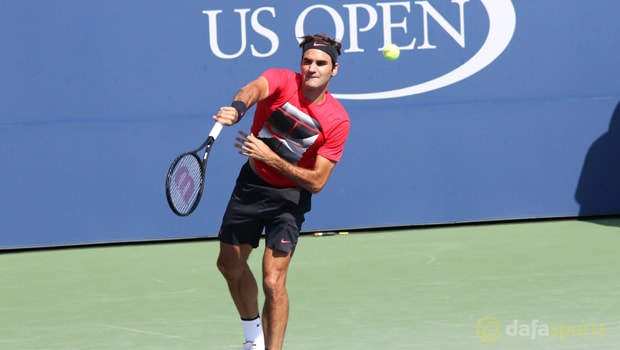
<point x="250" y="94"/>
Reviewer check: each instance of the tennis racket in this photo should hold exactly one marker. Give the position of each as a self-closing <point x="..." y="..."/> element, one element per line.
<point x="186" y="177"/>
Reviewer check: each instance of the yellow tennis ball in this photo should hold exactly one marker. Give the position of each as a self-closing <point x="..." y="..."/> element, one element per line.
<point x="391" y="52"/>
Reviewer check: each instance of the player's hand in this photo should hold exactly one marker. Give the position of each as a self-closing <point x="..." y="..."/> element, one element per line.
<point x="253" y="147"/>
<point x="226" y="116"/>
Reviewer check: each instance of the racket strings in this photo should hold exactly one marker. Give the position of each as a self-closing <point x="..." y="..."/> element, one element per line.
<point x="185" y="183"/>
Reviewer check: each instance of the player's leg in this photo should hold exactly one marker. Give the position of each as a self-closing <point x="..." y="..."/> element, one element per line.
<point x="276" y="308"/>
<point x="233" y="264"/>
<point x="239" y="234"/>
<point x="282" y="235"/>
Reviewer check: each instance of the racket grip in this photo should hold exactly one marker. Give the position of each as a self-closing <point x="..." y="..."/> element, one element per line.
<point x="215" y="131"/>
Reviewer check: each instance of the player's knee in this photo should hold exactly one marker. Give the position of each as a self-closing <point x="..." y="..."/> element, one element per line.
<point x="222" y="266"/>
<point x="274" y="285"/>
<point x="229" y="269"/>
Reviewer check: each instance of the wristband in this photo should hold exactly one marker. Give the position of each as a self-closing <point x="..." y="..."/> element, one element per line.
<point x="241" y="107"/>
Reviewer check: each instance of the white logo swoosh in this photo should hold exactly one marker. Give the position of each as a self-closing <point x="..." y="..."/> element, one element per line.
<point x="502" y="24"/>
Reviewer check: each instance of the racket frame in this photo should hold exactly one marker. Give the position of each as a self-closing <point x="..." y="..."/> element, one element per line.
<point x="207" y="144"/>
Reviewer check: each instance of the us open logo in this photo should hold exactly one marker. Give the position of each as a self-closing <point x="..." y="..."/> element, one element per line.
<point x="502" y="24"/>
<point x="367" y="28"/>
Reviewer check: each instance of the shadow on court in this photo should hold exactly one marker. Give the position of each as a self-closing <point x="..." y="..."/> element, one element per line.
<point x="607" y="221"/>
<point x="598" y="190"/>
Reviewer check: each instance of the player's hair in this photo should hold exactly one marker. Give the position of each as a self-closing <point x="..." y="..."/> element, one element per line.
<point x="333" y="43"/>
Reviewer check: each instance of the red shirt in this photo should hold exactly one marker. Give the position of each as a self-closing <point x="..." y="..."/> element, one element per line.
<point x="296" y="129"/>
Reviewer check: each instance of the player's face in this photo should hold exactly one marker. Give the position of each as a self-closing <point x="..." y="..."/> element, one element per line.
<point x="317" y="69"/>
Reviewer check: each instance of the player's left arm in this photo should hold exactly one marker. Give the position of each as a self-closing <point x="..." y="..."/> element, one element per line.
<point x="313" y="180"/>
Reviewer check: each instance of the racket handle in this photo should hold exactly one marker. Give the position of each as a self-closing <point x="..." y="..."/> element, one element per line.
<point x="329" y="233"/>
<point x="215" y="131"/>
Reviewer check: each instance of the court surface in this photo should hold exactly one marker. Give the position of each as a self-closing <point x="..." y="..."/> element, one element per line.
<point x="526" y="285"/>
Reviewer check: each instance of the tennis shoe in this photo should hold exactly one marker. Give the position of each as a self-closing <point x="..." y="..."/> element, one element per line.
<point x="249" y="345"/>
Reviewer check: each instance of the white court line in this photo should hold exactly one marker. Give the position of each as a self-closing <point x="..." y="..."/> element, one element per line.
<point x="135" y="330"/>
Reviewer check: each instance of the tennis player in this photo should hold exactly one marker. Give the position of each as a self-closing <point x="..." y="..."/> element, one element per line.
<point x="297" y="136"/>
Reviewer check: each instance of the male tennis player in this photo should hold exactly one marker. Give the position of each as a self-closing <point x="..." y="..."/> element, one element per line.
<point x="297" y="137"/>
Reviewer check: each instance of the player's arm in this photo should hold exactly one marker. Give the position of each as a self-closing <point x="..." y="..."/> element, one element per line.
<point x="313" y="180"/>
<point x="251" y="93"/>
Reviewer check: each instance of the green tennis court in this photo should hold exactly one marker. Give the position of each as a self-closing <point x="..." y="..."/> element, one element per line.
<point x="525" y="285"/>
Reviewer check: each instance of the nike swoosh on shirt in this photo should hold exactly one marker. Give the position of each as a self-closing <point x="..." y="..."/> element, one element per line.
<point x="284" y="241"/>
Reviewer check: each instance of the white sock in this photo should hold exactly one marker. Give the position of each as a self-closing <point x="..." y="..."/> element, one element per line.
<point x="253" y="331"/>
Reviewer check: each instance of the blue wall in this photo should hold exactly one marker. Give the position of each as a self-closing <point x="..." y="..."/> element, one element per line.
<point x="496" y="109"/>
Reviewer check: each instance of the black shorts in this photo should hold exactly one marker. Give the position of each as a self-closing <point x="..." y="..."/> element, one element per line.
<point x="256" y="206"/>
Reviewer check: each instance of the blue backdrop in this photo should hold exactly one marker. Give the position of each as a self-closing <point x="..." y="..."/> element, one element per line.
<point x="496" y="109"/>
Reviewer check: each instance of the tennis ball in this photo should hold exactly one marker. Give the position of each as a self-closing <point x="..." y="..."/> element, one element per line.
<point x="391" y="52"/>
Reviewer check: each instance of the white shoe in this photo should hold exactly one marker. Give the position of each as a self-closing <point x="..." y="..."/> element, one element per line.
<point x="249" y="345"/>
